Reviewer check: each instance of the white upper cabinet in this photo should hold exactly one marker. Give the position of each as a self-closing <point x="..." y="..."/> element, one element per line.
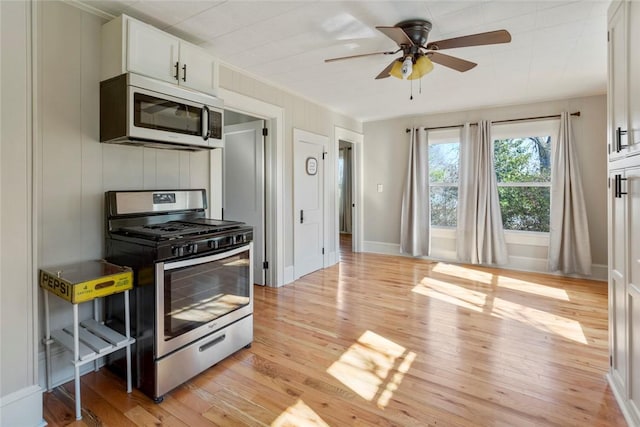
<point x="197" y="68"/>
<point x="617" y="53"/>
<point x="129" y="45"/>
<point x="633" y="77"/>
<point x="152" y="52"/>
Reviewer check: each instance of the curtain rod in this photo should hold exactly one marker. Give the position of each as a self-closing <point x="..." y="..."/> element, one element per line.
<point x="555" y="116"/>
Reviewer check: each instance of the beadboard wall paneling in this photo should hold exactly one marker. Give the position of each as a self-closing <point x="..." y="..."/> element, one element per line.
<point x="76" y="168"/>
<point x="20" y="394"/>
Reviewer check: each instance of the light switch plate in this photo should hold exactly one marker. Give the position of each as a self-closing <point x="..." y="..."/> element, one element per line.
<point x="379" y="188"/>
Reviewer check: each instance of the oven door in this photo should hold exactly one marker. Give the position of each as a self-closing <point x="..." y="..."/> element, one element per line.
<point x="198" y="296"/>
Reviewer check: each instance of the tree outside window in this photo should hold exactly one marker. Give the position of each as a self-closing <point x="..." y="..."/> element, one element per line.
<point x="443" y="183"/>
<point x="523" y="171"/>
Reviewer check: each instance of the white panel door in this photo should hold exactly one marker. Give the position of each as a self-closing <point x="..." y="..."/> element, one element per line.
<point x="197" y="69"/>
<point x="618" y="284"/>
<point x="308" y="187"/>
<point x="632" y="189"/>
<point x="152" y="52"/>
<point x="243" y="164"/>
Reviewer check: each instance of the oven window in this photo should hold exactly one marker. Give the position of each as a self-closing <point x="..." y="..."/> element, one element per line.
<point x="161" y="114"/>
<point x="199" y="294"/>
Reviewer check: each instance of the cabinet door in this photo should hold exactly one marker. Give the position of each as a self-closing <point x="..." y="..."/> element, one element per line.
<point x="632" y="188"/>
<point x="151" y="52"/>
<point x="197" y="69"/>
<point x="633" y="61"/>
<point x="617" y="285"/>
<point x="617" y="35"/>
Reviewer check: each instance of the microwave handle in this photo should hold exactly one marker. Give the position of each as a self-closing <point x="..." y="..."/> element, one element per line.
<point x="205" y="122"/>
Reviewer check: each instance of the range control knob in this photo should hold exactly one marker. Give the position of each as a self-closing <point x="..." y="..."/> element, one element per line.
<point x="192" y="248"/>
<point x="214" y="244"/>
<point x="177" y="250"/>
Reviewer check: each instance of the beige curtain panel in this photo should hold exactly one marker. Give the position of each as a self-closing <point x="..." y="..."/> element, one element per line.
<point x="480" y="235"/>
<point x="415" y="217"/>
<point x="569" y="247"/>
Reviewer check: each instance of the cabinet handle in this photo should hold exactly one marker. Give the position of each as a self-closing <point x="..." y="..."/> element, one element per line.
<point x="177" y="68"/>
<point x="184" y="73"/>
<point x="301" y="216"/>
<point x="618" y="193"/>
<point x="619" y="145"/>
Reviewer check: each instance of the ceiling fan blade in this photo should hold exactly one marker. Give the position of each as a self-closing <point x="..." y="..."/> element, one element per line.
<point x="458" y="64"/>
<point x="385" y="73"/>
<point x="491" y="37"/>
<point x="358" y="56"/>
<point x="397" y="34"/>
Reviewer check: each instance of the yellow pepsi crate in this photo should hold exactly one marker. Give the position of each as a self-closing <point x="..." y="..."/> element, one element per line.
<point x="84" y="281"/>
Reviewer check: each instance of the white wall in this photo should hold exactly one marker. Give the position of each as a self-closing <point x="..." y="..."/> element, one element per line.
<point x="302" y="114"/>
<point x="385" y="160"/>
<point x="20" y="395"/>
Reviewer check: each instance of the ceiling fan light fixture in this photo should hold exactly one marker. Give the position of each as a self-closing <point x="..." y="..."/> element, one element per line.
<point x="396" y="70"/>
<point x="407" y="67"/>
<point x="422" y="66"/>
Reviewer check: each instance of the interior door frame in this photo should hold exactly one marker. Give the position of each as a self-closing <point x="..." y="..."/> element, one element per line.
<point x="357" y="140"/>
<point x="328" y="182"/>
<point x="259" y="273"/>
<point x="274" y="176"/>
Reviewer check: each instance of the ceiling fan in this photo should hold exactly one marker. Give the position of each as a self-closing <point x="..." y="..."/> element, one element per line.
<point x="418" y="55"/>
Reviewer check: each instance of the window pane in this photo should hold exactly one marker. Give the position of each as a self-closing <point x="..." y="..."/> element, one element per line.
<point x="525" y="208"/>
<point x="444" y="201"/>
<point x="523" y="159"/>
<point x="443" y="162"/>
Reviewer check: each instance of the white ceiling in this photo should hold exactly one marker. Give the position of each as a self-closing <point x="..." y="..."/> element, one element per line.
<point x="558" y="49"/>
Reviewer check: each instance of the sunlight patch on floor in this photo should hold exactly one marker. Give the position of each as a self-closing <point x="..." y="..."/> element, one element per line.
<point x="299" y="415"/>
<point x="464" y="273"/>
<point x="453" y="294"/>
<point x="502" y="281"/>
<point x="539" y="319"/>
<point x="533" y="288"/>
<point x="373" y="367"/>
<point x="501" y="308"/>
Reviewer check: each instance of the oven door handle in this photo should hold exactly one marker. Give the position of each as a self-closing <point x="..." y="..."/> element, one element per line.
<point x="201" y="260"/>
<point x="205" y="122"/>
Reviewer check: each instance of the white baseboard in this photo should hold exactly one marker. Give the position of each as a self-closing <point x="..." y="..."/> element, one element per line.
<point x="332" y="259"/>
<point x="622" y="402"/>
<point x="381" y="248"/>
<point x="537" y="265"/>
<point x="289" y="276"/>
<point x="22" y="408"/>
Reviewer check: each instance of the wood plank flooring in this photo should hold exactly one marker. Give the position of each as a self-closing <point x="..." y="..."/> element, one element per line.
<point x="392" y="341"/>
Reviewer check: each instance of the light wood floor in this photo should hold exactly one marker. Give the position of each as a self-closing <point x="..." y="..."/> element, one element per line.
<point x="382" y="340"/>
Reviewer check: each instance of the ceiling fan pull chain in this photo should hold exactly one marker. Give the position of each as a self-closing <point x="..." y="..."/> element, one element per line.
<point x="411" y="97"/>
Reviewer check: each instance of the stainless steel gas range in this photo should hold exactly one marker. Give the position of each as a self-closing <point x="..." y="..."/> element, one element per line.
<point x="192" y="302"/>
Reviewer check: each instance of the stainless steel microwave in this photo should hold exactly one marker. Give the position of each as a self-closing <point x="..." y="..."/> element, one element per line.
<point x="137" y="110"/>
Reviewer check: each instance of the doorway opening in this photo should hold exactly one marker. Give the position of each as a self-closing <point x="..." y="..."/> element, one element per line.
<point x="346" y="202"/>
<point x="243" y="181"/>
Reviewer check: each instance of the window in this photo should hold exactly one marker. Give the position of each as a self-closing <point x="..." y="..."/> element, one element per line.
<point x="522" y="160"/>
<point x="444" y="156"/>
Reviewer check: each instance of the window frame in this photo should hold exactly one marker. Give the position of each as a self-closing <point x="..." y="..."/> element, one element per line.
<point x="437" y="137"/>
<point x="530" y="128"/>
